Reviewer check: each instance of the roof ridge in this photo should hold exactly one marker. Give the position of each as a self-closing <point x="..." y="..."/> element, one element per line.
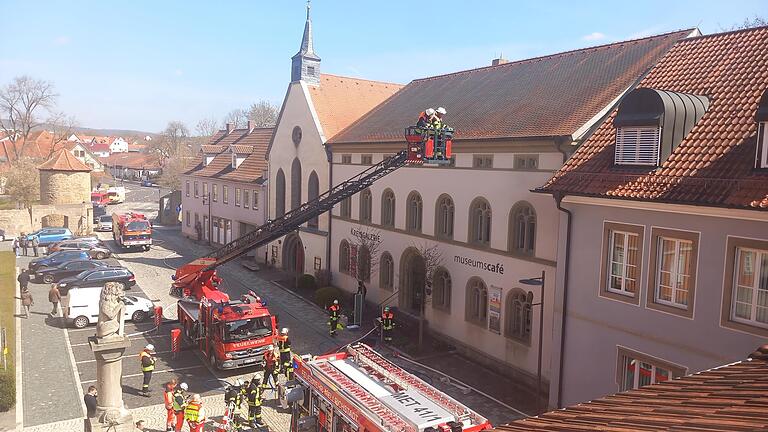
<point x="728" y="32"/>
<point x="547" y="56"/>
<point x="362" y="79"/>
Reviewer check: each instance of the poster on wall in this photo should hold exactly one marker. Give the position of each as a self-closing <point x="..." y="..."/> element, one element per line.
<point x="494" y="309"/>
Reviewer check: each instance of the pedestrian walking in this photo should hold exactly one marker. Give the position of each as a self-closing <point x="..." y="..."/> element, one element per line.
<point x="15" y="246"/>
<point x="170" y="387"/>
<point x="333" y="321"/>
<point x="54" y="296"/>
<point x="35" y="245"/>
<point x="24" y="243"/>
<point x="179" y="404"/>
<point x="23" y="279"/>
<point x="26" y="301"/>
<point x="194" y="413"/>
<point x="148" y="359"/>
<point x="90" y="406"/>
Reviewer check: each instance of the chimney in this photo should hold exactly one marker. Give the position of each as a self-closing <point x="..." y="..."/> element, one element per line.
<point x="250" y="125"/>
<point x="499" y="61"/>
<point x="229" y="128"/>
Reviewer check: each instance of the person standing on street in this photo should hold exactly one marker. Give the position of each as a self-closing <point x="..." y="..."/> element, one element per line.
<point x="195" y="414"/>
<point x="90" y="406"/>
<point x="179" y="404"/>
<point x="333" y="322"/>
<point x="23" y="279"/>
<point x="254" y="403"/>
<point x="35" y="245"/>
<point x="26" y="301"/>
<point x="170" y="387"/>
<point x="284" y="344"/>
<point x="387" y="324"/>
<point x="271" y="368"/>
<point x="23" y="243"/>
<point x="148" y="359"/>
<point x="54" y="296"/>
<point x="15" y="246"/>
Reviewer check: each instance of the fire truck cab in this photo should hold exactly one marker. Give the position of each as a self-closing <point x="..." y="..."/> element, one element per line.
<point x="358" y="390"/>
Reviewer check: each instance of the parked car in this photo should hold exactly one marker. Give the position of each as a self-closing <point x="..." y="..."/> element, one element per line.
<point x="104" y="223"/>
<point x="58" y="258"/>
<point x="147" y="183"/>
<point x="90" y="239"/>
<point x="2" y="235"/>
<point x="47" y="236"/>
<point x="67" y="269"/>
<point x="97" y="278"/>
<point x="84" y="307"/>
<point x="99" y="210"/>
<point x="94" y="250"/>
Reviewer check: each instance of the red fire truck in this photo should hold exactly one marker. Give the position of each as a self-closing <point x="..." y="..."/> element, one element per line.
<point x="358" y="390"/>
<point x="230" y="333"/>
<point x="131" y="230"/>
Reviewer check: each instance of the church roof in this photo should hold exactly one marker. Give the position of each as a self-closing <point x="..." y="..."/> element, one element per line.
<point x="339" y="101"/>
<point x="63" y="160"/>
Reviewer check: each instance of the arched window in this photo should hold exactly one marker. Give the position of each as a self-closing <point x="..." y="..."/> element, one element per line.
<point x="366" y="202"/>
<point x="388" y="208"/>
<point x="364" y="263"/>
<point x="480" y="222"/>
<point x="441" y="289"/>
<point x="344" y="257"/>
<point x="313" y="190"/>
<point x="517" y="323"/>
<point x="413" y="212"/>
<point x="346" y="208"/>
<point x="522" y="228"/>
<point x="444" y="212"/>
<point x="295" y="184"/>
<point x="477" y="302"/>
<point x="279" y="193"/>
<point x="386" y="272"/>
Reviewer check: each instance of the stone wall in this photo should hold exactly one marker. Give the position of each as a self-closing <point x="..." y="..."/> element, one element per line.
<point x="58" y="187"/>
<point x="77" y="217"/>
<point x="15" y="222"/>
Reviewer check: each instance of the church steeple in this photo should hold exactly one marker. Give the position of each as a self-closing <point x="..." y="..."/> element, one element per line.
<point x="305" y="65"/>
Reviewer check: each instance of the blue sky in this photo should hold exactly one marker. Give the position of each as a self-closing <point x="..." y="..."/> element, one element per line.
<point x="139" y="64"/>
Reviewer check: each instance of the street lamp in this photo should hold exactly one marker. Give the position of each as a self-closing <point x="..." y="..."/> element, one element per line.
<point x="538" y="281"/>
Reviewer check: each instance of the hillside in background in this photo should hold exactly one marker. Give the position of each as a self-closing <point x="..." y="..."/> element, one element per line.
<point x="106" y="132"/>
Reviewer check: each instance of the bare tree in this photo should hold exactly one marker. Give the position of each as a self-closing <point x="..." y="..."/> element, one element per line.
<point x="20" y="105"/>
<point x="174" y="168"/>
<point x="263" y="114"/>
<point x="61" y="127"/>
<point x="207" y="127"/>
<point x="755" y="21"/>
<point x="23" y="181"/>
<point x="172" y="141"/>
<point x="237" y="117"/>
<point x="433" y="259"/>
<point x="368" y="244"/>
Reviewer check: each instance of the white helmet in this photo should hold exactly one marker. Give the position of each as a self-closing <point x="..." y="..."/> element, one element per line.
<point x="184" y="386"/>
<point x="441" y="110"/>
<point x="335" y="302"/>
<point x="149" y="347"/>
<point x="429" y="111"/>
<point x="284" y="330"/>
<point x="238" y="382"/>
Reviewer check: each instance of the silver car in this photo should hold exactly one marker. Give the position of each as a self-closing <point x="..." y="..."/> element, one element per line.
<point x="105" y="223"/>
<point x="95" y="251"/>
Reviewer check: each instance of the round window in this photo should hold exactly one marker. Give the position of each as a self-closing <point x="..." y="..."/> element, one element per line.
<point x="296" y="135"/>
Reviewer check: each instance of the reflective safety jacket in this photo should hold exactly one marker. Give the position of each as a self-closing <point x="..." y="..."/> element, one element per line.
<point x="193" y="412"/>
<point x="178" y="400"/>
<point x="254" y="396"/>
<point x="284" y="344"/>
<point x="168" y="399"/>
<point x="388" y="320"/>
<point x="147" y="361"/>
<point x="334" y="311"/>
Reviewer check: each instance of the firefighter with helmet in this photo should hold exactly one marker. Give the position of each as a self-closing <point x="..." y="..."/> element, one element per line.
<point x="254" y="403"/>
<point x="284" y="345"/>
<point x="179" y="403"/>
<point x="334" y="311"/>
<point x="387" y="324"/>
<point x="195" y="414"/>
<point x="271" y="368"/>
<point x="425" y="118"/>
<point x="437" y="119"/>
<point x="147" y="359"/>
<point x="233" y="398"/>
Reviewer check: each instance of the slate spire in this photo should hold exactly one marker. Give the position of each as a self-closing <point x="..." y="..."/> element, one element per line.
<point x="305" y="65"/>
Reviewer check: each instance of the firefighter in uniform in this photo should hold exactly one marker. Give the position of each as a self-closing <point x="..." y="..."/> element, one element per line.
<point x="286" y="363"/>
<point x="194" y="414"/>
<point x="170" y="387"/>
<point x="271" y="368"/>
<point x="179" y="403"/>
<point x="387" y="324"/>
<point x="148" y="360"/>
<point x="333" y="311"/>
<point x="425" y="118"/>
<point x="233" y="397"/>
<point x="254" y="403"/>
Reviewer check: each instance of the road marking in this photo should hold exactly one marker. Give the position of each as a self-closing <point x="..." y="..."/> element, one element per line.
<point x="75" y="371"/>
<point x="153" y="373"/>
<point x="148" y="337"/>
<point x="19" y="386"/>
<point x="123" y="357"/>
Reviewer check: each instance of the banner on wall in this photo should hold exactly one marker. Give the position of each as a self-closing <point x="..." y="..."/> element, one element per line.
<point x="494" y="309"/>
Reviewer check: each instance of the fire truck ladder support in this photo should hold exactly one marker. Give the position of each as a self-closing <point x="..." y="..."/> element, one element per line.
<point x="366" y="356"/>
<point x="278" y="227"/>
<point x="356" y="393"/>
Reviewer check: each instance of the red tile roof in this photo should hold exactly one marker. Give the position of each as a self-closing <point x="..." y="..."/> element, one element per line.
<point x="251" y="142"/>
<point x="339" y="100"/>
<point x="546" y="96"/>
<point x="731" y="398"/>
<point x="146" y="161"/>
<point x="40" y="145"/>
<point x="713" y="165"/>
<point x="241" y="149"/>
<point x="99" y="147"/>
<point x="63" y="160"/>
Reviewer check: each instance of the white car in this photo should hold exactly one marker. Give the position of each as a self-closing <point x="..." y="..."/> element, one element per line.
<point x="84" y="307"/>
<point x="105" y="223"/>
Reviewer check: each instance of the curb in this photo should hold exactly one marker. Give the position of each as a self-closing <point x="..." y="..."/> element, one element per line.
<point x="19" y="390"/>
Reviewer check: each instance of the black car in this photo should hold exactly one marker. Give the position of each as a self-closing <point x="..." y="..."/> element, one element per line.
<point x="57" y="258"/>
<point x="67" y="269"/>
<point x="97" y="278"/>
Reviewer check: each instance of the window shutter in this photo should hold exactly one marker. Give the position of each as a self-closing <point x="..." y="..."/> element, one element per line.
<point x="638" y="145"/>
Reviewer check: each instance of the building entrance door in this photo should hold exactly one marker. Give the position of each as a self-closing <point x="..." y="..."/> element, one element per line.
<point x="293" y="254"/>
<point x="412" y="280"/>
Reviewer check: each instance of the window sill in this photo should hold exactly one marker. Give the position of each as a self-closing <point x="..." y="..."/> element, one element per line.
<point x="669" y="309"/>
<point x="745" y="327"/>
<point x="524" y="343"/>
<point x="480" y="323"/>
<point x="624" y="297"/>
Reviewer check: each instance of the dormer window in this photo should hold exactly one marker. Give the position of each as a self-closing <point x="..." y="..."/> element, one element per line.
<point x="651" y="123"/>
<point x="761" y="117"/>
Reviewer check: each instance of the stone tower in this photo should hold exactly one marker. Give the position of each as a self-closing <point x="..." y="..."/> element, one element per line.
<point x="305" y="65"/>
<point x="64" y="180"/>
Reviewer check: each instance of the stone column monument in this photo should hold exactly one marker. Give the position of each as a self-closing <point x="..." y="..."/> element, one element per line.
<point x="108" y="347"/>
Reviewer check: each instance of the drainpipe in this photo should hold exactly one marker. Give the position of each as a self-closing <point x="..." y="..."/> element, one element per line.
<point x="558" y="201"/>
<point x="559" y="147"/>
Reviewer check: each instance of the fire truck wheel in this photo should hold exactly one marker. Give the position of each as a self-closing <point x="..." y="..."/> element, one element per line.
<point x="80" y="322"/>
<point x="48" y="278"/>
<point x="139" y="316"/>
